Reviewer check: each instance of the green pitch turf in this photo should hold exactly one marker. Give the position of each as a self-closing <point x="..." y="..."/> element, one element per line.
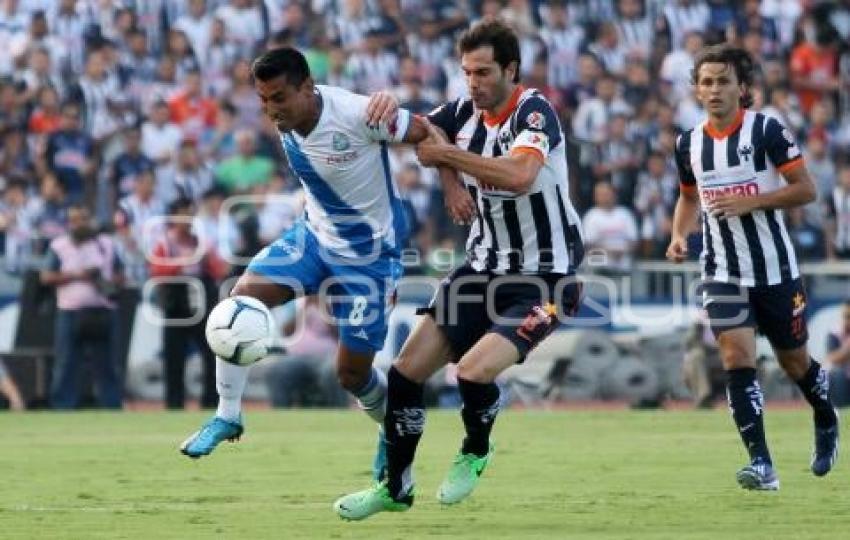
<point x="566" y="474"/>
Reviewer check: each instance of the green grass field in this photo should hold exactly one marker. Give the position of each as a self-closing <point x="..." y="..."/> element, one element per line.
<point x="566" y="474"/>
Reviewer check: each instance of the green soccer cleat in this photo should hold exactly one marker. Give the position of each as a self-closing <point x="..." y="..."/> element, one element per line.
<point x="377" y="498"/>
<point x="463" y="477"/>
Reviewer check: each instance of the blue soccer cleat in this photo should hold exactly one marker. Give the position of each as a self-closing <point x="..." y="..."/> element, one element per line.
<point x="758" y="476"/>
<point x="204" y="441"/>
<point x="826" y="449"/>
<point x="379" y="464"/>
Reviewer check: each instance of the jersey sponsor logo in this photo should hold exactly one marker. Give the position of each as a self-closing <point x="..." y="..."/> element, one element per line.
<point x="535" y="120"/>
<point x="340" y="142"/>
<point x="748" y="189"/>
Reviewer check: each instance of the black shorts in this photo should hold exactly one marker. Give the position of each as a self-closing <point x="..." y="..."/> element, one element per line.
<point x="524" y="309"/>
<point x="776" y="311"/>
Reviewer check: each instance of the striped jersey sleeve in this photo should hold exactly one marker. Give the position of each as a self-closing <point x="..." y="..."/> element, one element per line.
<point x="781" y="148"/>
<point x="687" y="180"/>
<point x="537" y="127"/>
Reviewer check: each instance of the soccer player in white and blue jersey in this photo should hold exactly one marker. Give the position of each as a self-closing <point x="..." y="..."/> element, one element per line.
<point x="744" y="169"/>
<point x="346" y="246"/>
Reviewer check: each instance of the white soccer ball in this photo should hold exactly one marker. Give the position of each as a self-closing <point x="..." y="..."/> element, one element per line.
<point x="240" y="330"/>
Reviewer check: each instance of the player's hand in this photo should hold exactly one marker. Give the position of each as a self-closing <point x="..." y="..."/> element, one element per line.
<point x="382" y="108"/>
<point x="431" y="150"/>
<point x="726" y="206"/>
<point x="459" y="203"/>
<point x="677" y="251"/>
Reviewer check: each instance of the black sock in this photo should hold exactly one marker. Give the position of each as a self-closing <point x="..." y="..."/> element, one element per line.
<point x="747" y="404"/>
<point x="403" y="425"/>
<point x="815" y="387"/>
<point x="480" y="407"/>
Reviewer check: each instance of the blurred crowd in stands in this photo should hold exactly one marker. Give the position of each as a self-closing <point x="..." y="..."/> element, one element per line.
<point x="131" y="105"/>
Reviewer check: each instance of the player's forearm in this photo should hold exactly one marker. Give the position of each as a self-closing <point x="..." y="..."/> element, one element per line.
<point x="790" y="196"/>
<point x="503" y="173"/>
<point x="417" y="132"/>
<point x="685" y="216"/>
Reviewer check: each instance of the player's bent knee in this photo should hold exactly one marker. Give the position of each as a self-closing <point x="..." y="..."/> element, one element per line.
<point x="735" y="358"/>
<point x="352" y="379"/>
<point x="263" y="289"/>
<point x="477" y="373"/>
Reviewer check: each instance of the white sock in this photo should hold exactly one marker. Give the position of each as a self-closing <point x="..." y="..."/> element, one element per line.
<point x="372" y="398"/>
<point x="230" y="383"/>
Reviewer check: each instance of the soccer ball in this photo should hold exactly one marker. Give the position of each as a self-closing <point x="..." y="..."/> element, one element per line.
<point x="240" y="329"/>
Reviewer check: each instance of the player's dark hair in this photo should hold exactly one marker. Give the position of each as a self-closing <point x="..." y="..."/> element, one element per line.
<point x="285" y="61"/>
<point x="739" y="59"/>
<point x="496" y="34"/>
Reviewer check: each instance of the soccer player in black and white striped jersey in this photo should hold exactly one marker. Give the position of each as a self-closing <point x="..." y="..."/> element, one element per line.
<point x="743" y="169"/>
<point x="518" y="282"/>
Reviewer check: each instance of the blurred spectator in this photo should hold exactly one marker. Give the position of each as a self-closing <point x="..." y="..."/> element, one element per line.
<point x="40" y="74"/>
<point x="750" y="21"/>
<point x="684" y="17"/>
<point x="191" y="110"/>
<point x="814" y="66"/>
<point x="216" y="60"/>
<point x="838" y="217"/>
<point x="430" y="48"/>
<point x="610" y="232"/>
<point x="85" y="270"/>
<point x="606" y="47"/>
<point x="373" y="68"/>
<point x="563" y="39"/>
<point x="821" y="167"/>
<point x="808" y="238"/>
<point x="15" y="158"/>
<point x="10" y="390"/>
<point x="138" y="224"/>
<point x="180" y="254"/>
<point x="220" y="142"/>
<point x="214" y="225"/>
<point x="47" y="214"/>
<point x="137" y="60"/>
<point x="129" y="164"/>
<point x="242" y="95"/>
<point x="196" y="24"/>
<point x="618" y="160"/>
<point x="70" y="27"/>
<point x="180" y="50"/>
<point x="655" y="198"/>
<point x="70" y="155"/>
<point x="634" y="29"/>
<point x="246" y="169"/>
<point x="14" y="228"/>
<point x="187" y="177"/>
<point x="14" y="21"/>
<point x="677" y="66"/>
<point x="590" y="123"/>
<point x="244" y="23"/>
<point x="838" y="359"/>
<point x="783" y="106"/>
<point x="47" y="116"/>
<point x="702" y="370"/>
<point x="160" y="137"/>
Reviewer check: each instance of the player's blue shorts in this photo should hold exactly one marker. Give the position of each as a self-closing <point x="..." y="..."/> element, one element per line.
<point x="360" y="294"/>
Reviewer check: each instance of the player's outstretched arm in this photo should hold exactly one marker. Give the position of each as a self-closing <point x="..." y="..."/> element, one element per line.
<point x="515" y="172"/>
<point x="684" y="221"/>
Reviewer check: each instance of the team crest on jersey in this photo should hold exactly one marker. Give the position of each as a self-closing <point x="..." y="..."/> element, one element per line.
<point x="745" y="152"/>
<point x="535" y="120"/>
<point x="505" y="139"/>
<point x="340" y="142"/>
